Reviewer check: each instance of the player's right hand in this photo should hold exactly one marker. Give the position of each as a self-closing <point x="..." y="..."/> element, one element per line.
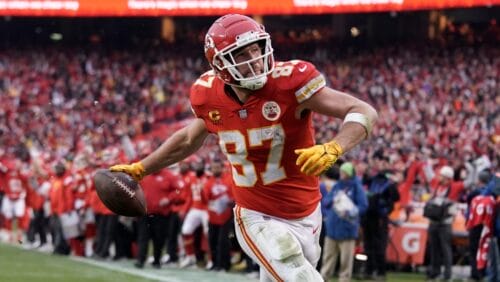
<point x="136" y="170"/>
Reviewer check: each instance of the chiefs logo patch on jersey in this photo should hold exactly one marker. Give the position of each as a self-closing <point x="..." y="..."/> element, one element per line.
<point x="271" y="110"/>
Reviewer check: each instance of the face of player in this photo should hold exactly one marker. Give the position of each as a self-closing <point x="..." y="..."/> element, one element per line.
<point x="252" y="55"/>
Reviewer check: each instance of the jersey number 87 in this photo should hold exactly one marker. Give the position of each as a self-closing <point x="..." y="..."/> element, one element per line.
<point x="274" y="171"/>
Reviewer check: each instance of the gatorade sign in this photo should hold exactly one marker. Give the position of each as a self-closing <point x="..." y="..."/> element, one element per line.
<point x="411" y="242"/>
<point x="408" y="243"/>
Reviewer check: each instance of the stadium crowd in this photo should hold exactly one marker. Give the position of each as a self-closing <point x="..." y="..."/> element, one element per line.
<point x="66" y="112"/>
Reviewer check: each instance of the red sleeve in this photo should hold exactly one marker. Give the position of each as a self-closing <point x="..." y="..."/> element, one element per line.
<point x="434" y="183"/>
<point x="304" y="79"/>
<point x="198" y="93"/>
<point x="207" y="190"/>
<point x="412" y="173"/>
<point x="456" y="190"/>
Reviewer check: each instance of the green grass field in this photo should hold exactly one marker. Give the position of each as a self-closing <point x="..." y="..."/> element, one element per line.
<point x="18" y="265"/>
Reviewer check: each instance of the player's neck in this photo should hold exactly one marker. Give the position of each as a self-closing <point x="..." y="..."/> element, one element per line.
<point x="241" y="93"/>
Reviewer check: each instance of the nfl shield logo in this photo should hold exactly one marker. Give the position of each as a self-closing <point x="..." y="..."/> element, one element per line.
<point x="243" y="113"/>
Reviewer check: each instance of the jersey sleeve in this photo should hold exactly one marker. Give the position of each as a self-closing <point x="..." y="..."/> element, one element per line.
<point x="199" y="97"/>
<point x="196" y="96"/>
<point x="304" y="79"/>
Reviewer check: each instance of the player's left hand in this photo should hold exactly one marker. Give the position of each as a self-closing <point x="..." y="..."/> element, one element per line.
<point x="318" y="158"/>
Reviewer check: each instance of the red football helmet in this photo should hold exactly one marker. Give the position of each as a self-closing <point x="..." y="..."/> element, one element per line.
<point x="230" y="33"/>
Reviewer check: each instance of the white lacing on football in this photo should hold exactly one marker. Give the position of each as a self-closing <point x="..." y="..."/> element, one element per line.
<point x="124" y="187"/>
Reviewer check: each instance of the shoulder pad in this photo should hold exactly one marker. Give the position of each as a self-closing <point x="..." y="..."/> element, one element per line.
<point x="294" y="74"/>
<point x="301" y="77"/>
<point x="198" y="92"/>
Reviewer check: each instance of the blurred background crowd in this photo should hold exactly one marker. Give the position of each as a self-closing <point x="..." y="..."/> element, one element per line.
<point x="66" y="110"/>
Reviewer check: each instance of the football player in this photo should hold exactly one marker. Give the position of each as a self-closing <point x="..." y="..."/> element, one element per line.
<point x="261" y="112"/>
<point x="14" y="201"/>
<point x="196" y="216"/>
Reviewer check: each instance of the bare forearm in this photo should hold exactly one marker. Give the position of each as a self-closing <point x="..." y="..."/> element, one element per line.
<point x="350" y="135"/>
<point x="358" y="116"/>
<point x="176" y="148"/>
<point x="353" y="133"/>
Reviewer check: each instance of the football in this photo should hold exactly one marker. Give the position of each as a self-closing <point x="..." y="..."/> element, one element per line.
<point x="120" y="193"/>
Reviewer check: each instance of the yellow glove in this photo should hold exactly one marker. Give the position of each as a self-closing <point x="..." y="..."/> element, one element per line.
<point x="316" y="159"/>
<point x="136" y="170"/>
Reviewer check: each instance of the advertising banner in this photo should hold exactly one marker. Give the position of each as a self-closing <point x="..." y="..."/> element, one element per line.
<point x="91" y="8"/>
<point x="407" y="244"/>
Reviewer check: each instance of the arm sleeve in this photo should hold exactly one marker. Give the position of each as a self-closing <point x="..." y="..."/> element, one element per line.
<point x="412" y="173"/>
<point x="308" y="80"/>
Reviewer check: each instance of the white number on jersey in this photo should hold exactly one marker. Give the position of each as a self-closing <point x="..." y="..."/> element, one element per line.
<point x="206" y="82"/>
<point x="273" y="171"/>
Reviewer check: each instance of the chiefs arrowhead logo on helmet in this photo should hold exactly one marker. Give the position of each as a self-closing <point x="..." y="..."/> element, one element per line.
<point x="209" y="42"/>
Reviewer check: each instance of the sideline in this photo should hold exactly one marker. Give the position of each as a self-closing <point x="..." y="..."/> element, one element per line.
<point x="103" y="264"/>
<point x="165" y="274"/>
<point x="131" y="271"/>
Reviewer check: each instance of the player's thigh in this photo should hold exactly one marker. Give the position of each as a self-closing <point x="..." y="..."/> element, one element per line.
<point x="256" y="248"/>
<point x="191" y="222"/>
<point x="204" y="221"/>
<point x="274" y="246"/>
<point x="307" y="231"/>
<point x="19" y="208"/>
<point x="7" y="208"/>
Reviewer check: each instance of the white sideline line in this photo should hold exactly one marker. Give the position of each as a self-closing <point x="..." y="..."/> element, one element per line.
<point x="124" y="270"/>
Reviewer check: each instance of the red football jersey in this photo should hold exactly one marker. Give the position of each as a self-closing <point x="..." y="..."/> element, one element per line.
<point x="259" y="137"/>
<point x="80" y="184"/>
<point x="61" y="195"/>
<point x="16" y="185"/>
<point x="182" y="199"/>
<point x="218" y="193"/>
<point x="159" y="186"/>
<point x="196" y="198"/>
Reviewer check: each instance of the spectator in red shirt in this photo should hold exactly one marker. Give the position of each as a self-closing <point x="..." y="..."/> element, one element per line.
<point x="61" y="201"/>
<point x="159" y="190"/>
<point x="14" y="202"/>
<point x="453" y="189"/>
<point x="196" y="217"/>
<point x="179" y="207"/>
<point x="217" y="192"/>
